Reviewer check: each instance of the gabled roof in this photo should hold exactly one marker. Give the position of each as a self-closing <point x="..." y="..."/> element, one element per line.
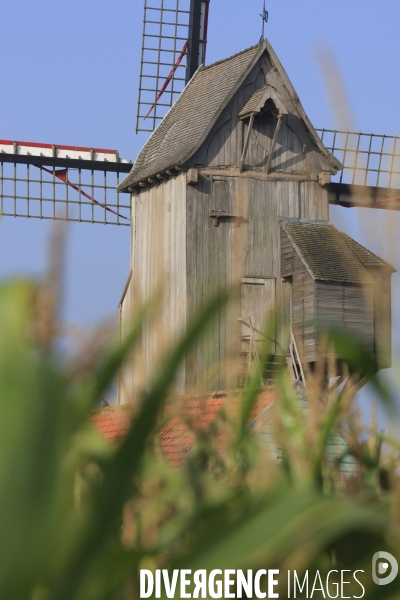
<point x="258" y="99"/>
<point x="331" y="255"/>
<point x="190" y="119"/>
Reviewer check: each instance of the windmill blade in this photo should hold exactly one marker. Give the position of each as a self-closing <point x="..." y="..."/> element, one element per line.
<point x="173" y="46"/>
<point x="371" y="174"/>
<point x="72" y="183"/>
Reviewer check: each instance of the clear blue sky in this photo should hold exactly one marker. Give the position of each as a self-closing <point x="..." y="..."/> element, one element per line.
<point x="69" y="75"/>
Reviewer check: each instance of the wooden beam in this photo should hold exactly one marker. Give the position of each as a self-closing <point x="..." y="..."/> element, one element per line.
<point x="365" y="196"/>
<point x="277" y="128"/>
<point x="246" y="144"/>
<point x="192" y="176"/>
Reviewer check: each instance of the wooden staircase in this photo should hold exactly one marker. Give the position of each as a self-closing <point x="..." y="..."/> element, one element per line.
<point x="251" y="360"/>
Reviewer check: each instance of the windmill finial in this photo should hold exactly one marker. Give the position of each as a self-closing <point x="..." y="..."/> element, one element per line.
<point x="264" y="17"/>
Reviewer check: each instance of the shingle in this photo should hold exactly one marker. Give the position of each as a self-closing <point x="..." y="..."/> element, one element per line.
<point x="181" y="130"/>
<point x="331" y="255"/>
<point x="368" y="258"/>
<point x="251" y="105"/>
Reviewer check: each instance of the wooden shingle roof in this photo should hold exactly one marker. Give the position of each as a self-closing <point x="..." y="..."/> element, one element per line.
<point x="252" y="104"/>
<point x="331" y="255"/>
<point x="190" y="119"/>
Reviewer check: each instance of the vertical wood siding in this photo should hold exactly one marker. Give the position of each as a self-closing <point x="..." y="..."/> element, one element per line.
<point x="258" y="303"/>
<point x="213" y="255"/>
<point x="382" y="317"/>
<point x="294" y="151"/>
<point x="320" y="305"/>
<point x="347" y="308"/>
<point x="303" y="310"/>
<point x="158" y="258"/>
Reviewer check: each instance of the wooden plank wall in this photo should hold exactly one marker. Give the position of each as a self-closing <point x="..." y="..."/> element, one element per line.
<point x="348" y="308"/>
<point x="258" y="301"/>
<point x="302" y="299"/>
<point x="294" y="152"/>
<point x="208" y="272"/>
<point x="383" y="318"/>
<point x="158" y="258"/>
<point x="217" y="256"/>
<point x="304" y="310"/>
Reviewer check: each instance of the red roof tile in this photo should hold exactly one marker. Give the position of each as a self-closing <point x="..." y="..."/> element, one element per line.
<point x="177" y="435"/>
<point x="112" y="422"/>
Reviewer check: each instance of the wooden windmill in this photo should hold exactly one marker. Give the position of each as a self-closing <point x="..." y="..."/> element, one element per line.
<point x="236" y="152"/>
<point x="231" y="150"/>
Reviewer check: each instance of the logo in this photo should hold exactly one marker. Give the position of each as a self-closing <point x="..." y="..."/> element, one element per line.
<point x="380" y="566"/>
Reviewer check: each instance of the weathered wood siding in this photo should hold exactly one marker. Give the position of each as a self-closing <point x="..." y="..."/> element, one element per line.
<point x="217" y="256"/>
<point x="212" y="258"/>
<point x="382" y="295"/>
<point x="258" y="303"/>
<point x="294" y="152"/>
<point x="320" y="305"/>
<point x="347" y="308"/>
<point x="303" y="310"/>
<point x="158" y="258"/>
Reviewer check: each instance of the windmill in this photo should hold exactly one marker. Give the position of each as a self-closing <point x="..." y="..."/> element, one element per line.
<point x="371" y="174"/>
<point x="49" y="181"/>
<point x="203" y="158"/>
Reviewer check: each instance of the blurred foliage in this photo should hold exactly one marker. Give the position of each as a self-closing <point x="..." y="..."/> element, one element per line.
<point x="80" y="517"/>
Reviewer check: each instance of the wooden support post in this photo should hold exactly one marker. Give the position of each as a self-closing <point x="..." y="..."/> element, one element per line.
<point x="246" y="144"/>
<point x="277" y="128"/>
<point x="296" y="354"/>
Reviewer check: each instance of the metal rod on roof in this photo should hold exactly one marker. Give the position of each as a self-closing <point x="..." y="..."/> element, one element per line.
<point x="264" y="17"/>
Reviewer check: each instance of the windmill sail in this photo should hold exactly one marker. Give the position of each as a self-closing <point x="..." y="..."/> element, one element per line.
<point x="371" y="169"/>
<point x="48" y="181"/>
<point x="173" y="47"/>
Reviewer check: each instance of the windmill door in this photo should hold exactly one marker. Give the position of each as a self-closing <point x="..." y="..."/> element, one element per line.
<point x="257" y="315"/>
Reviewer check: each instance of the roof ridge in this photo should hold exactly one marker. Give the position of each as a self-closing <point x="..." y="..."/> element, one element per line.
<point x="219" y="62"/>
<point x="372" y="254"/>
